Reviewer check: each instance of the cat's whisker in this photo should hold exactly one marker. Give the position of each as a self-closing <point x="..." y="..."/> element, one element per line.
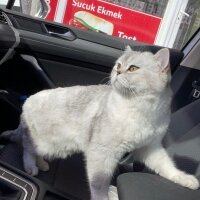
<point x="124" y="82"/>
<point x="108" y="82"/>
<point x="132" y="89"/>
<point x="125" y="87"/>
<point x="132" y="92"/>
<point x="127" y="90"/>
<point x="107" y="77"/>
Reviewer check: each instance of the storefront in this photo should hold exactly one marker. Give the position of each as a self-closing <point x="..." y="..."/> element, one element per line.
<point x="134" y="20"/>
<point x="167" y="23"/>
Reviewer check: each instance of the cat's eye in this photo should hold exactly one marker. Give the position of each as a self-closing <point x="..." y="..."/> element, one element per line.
<point x="118" y="65"/>
<point x="133" y="68"/>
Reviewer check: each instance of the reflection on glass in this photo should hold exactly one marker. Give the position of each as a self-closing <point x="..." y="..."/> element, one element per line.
<point x="154" y="7"/>
<point x="189" y="25"/>
<point x="36" y="8"/>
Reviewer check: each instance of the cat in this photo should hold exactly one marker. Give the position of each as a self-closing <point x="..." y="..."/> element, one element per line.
<point x="131" y="114"/>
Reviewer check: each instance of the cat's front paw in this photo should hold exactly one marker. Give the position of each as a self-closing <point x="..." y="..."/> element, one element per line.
<point x="186" y="180"/>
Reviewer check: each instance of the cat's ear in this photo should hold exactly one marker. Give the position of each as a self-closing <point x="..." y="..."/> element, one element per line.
<point x="163" y="57"/>
<point x="128" y="48"/>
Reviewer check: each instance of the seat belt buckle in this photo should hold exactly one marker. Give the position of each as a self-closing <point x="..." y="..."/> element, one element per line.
<point x="196" y="94"/>
<point x="196" y="89"/>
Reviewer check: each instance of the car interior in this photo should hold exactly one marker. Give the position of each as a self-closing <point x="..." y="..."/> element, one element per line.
<point x="35" y="55"/>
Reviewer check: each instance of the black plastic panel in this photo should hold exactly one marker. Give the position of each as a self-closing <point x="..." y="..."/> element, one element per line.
<point x="68" y="75"/>
<point x="103" y="39"/>
<point x="182" y="86"/>
<point x="141" y="186"/>
<point x="60" y="32"/>
<point x="7" y="36"/>
<point x="92" y="47"/>
<point x="82" y="50"/>
<point x="29" y="25"/>
<point x="78" y="49"/>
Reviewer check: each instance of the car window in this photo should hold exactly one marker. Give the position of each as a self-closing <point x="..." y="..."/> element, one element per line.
<point x="169" y="23"/>
<point x="189" y="24"/>
<point x="16" y="6"/>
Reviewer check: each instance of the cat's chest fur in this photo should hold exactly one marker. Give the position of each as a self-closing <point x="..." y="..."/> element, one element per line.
<point x="137" y="122"/>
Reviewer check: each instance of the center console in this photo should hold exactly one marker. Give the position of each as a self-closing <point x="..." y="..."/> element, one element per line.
<point x="17" y="185"/>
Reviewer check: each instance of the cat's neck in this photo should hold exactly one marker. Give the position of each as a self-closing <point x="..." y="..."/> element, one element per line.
<point x="141" y="98"/>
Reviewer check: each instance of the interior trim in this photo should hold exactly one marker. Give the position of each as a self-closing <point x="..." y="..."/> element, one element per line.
<point x="4" y="172"/>
<point x="191" y="43"/>
<point x="16" y="43"/>
<point x="192" y="60"/>
<point x="35" y="64"/>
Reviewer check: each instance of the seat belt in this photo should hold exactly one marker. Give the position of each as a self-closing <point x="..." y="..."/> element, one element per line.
<point x="11" y="50"/>
<point x="195" y="94"/>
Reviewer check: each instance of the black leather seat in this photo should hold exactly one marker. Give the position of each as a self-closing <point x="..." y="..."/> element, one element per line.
<point x="141" y="186"/>
<point x="183" y="144"/>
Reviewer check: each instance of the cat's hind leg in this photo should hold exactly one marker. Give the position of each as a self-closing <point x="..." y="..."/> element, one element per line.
<point x="29" y="154"/>
<point x="33" y="163"/>
<point x="29" y="160"/>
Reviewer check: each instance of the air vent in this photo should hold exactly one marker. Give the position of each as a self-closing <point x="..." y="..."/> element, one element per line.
<point x="3" y="18"/>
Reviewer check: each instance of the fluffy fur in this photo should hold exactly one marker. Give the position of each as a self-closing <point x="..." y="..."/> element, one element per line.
<point x="104" y="122"/>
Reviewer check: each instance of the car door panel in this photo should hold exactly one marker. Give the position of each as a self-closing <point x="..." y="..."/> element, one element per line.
<point x="7" y="39"/>
<point x="87" y="46"/>
<point x="63" y="74"/>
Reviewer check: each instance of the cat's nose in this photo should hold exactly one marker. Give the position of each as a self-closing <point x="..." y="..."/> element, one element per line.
<point x="118" y="72"/>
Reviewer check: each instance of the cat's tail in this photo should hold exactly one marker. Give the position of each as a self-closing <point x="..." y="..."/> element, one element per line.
<point x="12" y="135"/>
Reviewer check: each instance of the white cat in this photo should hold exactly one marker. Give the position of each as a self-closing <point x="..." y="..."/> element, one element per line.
<point x="104" y="122"/>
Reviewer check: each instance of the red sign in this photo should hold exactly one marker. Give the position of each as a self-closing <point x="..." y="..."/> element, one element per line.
<point x="52" y="12"/>
<point x="112" y="19"/>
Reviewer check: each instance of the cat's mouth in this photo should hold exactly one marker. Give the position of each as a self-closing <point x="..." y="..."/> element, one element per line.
<point x="122" y="86"/>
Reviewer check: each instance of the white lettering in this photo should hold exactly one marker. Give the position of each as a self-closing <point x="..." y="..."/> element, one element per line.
<point x="119" y="15"/>
<point x="92" y="7"/>
<point x="122" y="35"/>
<point x="84" y="6"/>
<point x="102" y="10"/>
<point x="99" y="9"/>
<point x="74" y="3"/>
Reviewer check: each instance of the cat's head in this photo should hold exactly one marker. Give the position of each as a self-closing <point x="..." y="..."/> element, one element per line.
<point x="136" y="73"/>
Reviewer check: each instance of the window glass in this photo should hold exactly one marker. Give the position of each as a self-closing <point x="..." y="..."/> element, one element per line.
<point x="16" y="6"/>
<point x="161" y="22"/>
<point x="189" y="25"/>
<point x="154" y="7"/>
<point x="3" y="2"/>
<point x="36" y="8"/>
<point x="137" y="20"/>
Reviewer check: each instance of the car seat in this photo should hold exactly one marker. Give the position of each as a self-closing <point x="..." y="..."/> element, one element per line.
<point x="183" y="144"/>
